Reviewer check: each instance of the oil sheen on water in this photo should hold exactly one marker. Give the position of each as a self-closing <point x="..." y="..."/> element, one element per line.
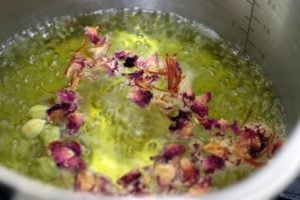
<point x="118" y="135"/>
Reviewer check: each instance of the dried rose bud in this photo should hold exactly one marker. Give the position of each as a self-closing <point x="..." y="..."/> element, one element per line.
<point x="92" y="34"/>
<point x="75" y="121"/>
<point x="141" y="97"/>
<point x="251" y="142"/>
<point x="66" y="96"/>
<point x="190" y="173"/>
<point x="169" y="152"/>
<point x="60" y="111"/>
<point x="211" y="163"/>
<point x="67" y="155"/>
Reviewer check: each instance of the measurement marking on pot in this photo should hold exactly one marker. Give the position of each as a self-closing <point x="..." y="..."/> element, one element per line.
<point x="252" y="2"/>
<point x="249" y="28"/>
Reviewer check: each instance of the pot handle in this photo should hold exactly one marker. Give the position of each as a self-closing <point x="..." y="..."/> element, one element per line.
<point x="6" y="192"/>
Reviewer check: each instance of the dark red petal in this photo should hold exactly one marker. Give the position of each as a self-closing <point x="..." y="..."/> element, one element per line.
<point x="65" y="108"/>
<point x="251" y="141"/>
<point x="81" y="61"/>
<point x="190" y="171"/>
<point x="200" y="109"/>
<point x="129" y="178"/>
<point x="188" y="97"/>
<point x="55" y="144"/>
<point x="200" y="104"/>
<point x="208" y="124"/>
<point x="276" y="147"/>
<point x="169" y="152"/>
<point x="181" y="120"/>
<point x="67" y="155"/>
<point x="140" y="97"/>
<point x="75" y="163"/>
<point x="221" y="124"/>
<point x="75" y="147"/>
<point x="75" y="121"/>
<point x="61" y="154"/>
<point x="130" y="61"/>
<point x="212" y="163"/>
<point x="66" y="96"/>
<point x="207" y="97"/>
<point x="151" y="78"/>
<point x="136" y="75"/>
<point x="121" y="55"/>
<point x="92" y="34"/>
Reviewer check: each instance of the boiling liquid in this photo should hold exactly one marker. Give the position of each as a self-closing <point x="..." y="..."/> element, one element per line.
<point x="118" y="135"/>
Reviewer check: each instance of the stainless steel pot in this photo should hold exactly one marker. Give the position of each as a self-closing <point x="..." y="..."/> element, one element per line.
<point x="266" y="29"/>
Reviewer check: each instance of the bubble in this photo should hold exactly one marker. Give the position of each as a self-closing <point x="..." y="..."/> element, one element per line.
<point x="96" y="104"/>
<point x="219" y="71"/>
<point x="14" y="146"/>
<point x="57" y="74"/>
<point x="130" y="150"/>
<point x="152" y="145"/>
<point x="45" y="35"/>
<point x="140" y="36"/>
<point x="138" y="133"/>
<point x="37" y="87"/>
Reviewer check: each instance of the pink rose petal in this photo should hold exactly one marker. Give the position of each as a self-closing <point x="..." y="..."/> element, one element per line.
<point x="141" y="97"/>
<point x="211" y="163"/>
<point x="67" y="155"/>
<point x="75" y="121"/>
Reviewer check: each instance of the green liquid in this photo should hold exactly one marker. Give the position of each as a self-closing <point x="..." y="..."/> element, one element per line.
<point x="118" y="135"/>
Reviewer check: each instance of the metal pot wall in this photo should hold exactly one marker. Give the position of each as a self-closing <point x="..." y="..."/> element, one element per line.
<point x="267" y="30"/>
